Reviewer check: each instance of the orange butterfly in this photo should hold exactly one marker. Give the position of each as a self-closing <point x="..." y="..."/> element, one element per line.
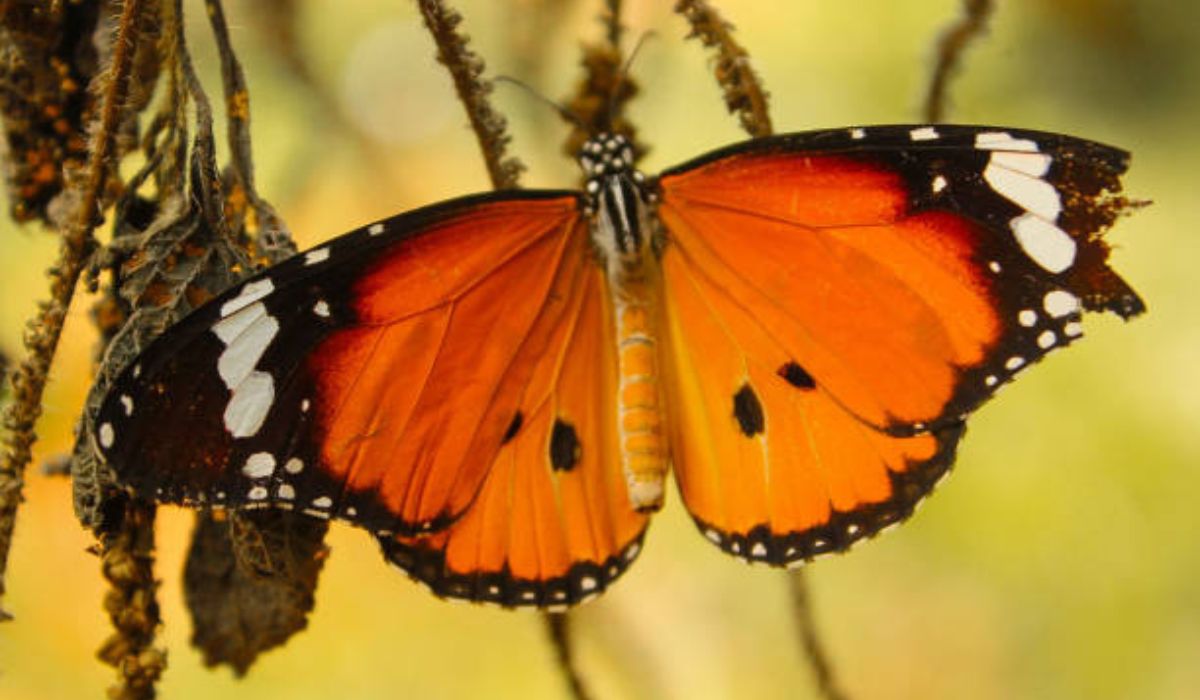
<point x="497" y="386"/>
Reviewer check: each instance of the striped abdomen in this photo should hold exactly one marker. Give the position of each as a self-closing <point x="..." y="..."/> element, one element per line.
<point x="640" y="421"/>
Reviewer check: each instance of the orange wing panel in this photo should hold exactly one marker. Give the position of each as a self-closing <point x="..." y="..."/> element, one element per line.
<point x="414" y="397"/>
<point x="548" y="528"/>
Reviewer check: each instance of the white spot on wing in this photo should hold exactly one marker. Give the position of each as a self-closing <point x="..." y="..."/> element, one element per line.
<point x="1073" y="329"/>
<point x="259" y="465"/>
<point x="1014" y="362"/>
<point x="1046" y="340"/>
<point x="1059" y="303"/>
<point x="321" y="308"/>
<point x="925" y="133"/>
<point x="375" y="229"/>
<point x="1030" y="193"/>
<point x="1046" y="244"/>
<point x="252" y="292"/>
<point x="229" y="328"/>
<point x="286" y="492"/>
<point x="318" y="255"/>
<point x="294" y="466"/>
<point x="857" y="134"/>
<point x="323" y="502"/>
<point x="107" y="435"/>
<point x="239" y="359"/>
<point x="1002" y="141"/>
<point x="127" y="404"/>
<point x="257" y="493"/>
<point x="990" y="380"/>
<point x="1027" y="318"/>
<point x="939" y="184"/>
<point x="1028" y="163"/>
<point x="248" y="407"/>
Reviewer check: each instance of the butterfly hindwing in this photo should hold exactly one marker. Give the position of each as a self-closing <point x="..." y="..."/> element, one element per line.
<point x="839" y="301"/>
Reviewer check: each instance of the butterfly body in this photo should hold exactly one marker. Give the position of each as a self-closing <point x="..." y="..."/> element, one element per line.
<point x="623" y="228"/>
<point x="796" y="327"/>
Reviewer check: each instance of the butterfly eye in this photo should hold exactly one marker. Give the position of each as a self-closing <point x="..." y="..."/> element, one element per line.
<point x="748" y="411"/>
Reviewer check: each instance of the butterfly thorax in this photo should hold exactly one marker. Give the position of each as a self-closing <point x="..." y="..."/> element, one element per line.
<point x="621" y="220"/>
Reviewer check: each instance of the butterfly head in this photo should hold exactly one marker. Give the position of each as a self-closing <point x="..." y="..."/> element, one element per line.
<point x="618" y="198"/>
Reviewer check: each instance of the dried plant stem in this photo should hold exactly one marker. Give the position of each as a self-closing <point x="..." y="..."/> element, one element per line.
<point x="127" y="561"/>
<point x="744" y="93"/>
<point x="558" y="625"/>
<point x="275" y="239"/>
<point x="45" y="329"/>
<point x="951" y="47"/>
<point x="466" y="68"/>
<point x="806" y="626"/>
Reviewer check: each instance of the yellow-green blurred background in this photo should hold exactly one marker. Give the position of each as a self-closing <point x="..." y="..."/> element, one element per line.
<point x="1061" y="560"/>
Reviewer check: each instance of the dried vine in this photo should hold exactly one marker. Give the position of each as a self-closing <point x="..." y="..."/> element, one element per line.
<point x="741" y="86"/>
<point x="951" y="46"/>
<point x="45" y="330"/>
<point x="599" y="101"/>
<point x="466" y="68"/>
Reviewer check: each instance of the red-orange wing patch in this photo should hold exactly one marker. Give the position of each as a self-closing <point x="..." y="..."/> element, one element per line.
<point x="553" y="524"/>
<point x="838" y="302"/>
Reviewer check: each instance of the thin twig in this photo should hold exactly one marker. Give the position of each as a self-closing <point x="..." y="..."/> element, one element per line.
<point x="951" y="46"/>
<point x="743" y="90"/>
<point x="44" y="331"/>
<point x="806" y="625"/>
<point x="558" y="625"/>
<point x="274" y="237"/>
<point x="466" y="68"/>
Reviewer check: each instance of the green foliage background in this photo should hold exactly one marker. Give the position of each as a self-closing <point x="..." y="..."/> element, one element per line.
<point x="1059" y="561"/>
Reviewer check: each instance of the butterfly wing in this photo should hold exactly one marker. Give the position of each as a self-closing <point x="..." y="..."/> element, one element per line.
<point x="441" y="378"/>
<point x="837" y="302"/>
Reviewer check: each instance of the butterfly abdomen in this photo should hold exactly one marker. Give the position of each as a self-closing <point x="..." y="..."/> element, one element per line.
<point x="639" y="403"/>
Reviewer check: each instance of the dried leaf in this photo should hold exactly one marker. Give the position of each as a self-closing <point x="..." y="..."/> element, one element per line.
<point x="249" y="582"/>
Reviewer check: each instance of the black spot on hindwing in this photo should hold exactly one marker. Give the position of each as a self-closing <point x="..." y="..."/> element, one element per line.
<point x="748" y="411"/>
<point x="564" y="446"/>
<point x="795" y="375"/>
<point x="513" y="428"/>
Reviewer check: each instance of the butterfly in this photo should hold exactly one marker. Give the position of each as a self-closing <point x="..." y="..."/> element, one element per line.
<point x="496" y="386"/>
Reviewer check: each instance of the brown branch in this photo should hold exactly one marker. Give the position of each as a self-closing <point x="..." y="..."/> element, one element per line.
<point x="274" y="238"/>
<point x="806" y="626"/>
<point x="951" y="46"/>
<point x="741" y="86"/>
<point x="127" y="561"/>
<point x="558" y="626"/>
<point x="44" y="331"/>
<point x="466" y="68"/>
<point x="600" y="98"/>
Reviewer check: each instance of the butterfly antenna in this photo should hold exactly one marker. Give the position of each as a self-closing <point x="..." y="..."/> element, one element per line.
<point x="621" y="74"/>
<point x="562" y="111"/>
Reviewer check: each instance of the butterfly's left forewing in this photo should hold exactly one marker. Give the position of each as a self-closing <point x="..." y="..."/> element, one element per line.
<point x="370" y="379"/>
<point x="837" y="303"/>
